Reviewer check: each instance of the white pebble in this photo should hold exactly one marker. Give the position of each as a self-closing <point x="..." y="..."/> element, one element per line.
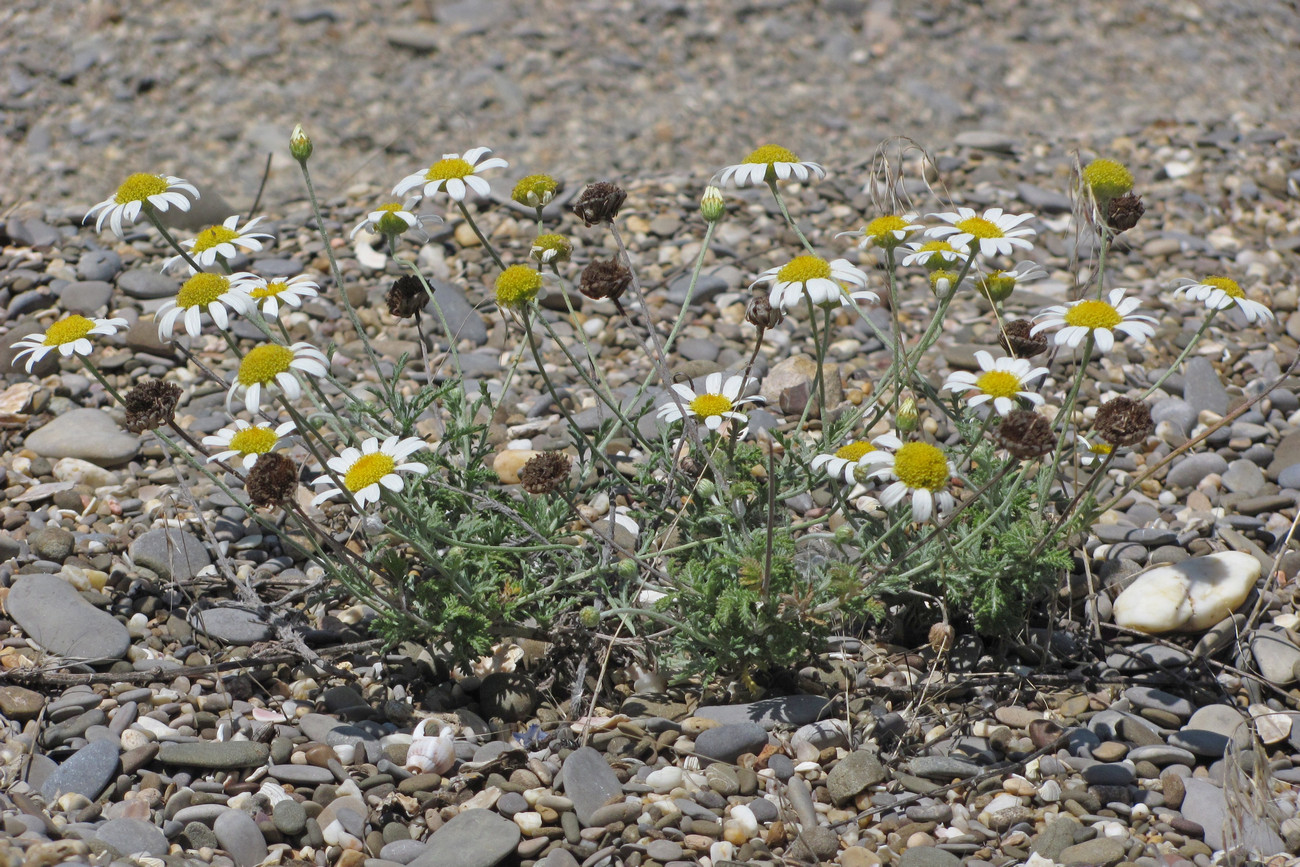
<point x="664" y="779"/>
<point x="745" y="818"/>
<point x="345" y="752"/>
<point x="529" y="822"/>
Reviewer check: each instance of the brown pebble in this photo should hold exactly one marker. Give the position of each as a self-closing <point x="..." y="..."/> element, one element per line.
<point x="1045" y="732"/>
<point x="1174" y="790"/>
<point x="1110" y="751"/>
<point x="320" y="755"/>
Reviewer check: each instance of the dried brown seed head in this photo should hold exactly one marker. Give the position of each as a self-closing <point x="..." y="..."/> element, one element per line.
<point x="151" y="404"/>
<point x="1026" y="434"/>
<point x="273" y="479"/>
<point x="1123" y="421"/>
<point x="599" y="203"/>
<point x="1016" y="339"/>
<point x="407" y="296"/>
<point x="604" y="279"/>
<point x="545" y="472"/>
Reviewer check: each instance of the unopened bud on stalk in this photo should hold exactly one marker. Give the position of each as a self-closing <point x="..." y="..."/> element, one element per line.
<point x="706" y="488"/>
<point x="907" y="418"/>
<point x="997" y="287"/>
<point x="300" y="144"/>
<point x="712" y="206"/>
<point x="590" y="617"/>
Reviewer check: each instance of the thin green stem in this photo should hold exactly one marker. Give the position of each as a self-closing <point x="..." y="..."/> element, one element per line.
<point x="487" y="245"/>
<point x="1063" y="418"/>
<point x="690" y="290"/>
<point x="171" y="239"/>
<point x="1182" y="356"/>
<point x="785" y="212"/>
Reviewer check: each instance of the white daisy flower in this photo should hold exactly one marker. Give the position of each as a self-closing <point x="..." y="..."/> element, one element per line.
<point x="935" y="255"/>
<point x="246" y="442"/>
<point x="995" y="232"/>
<point x="845" y="461"/>
<point x="364" y="471"/>
<point x="1092" y="453"/>
<point x="1220" y="293"/>
<point x="919" y="469"/>
<point x="823" y="282"/>
<point x="887" y="232"/>
<point x="767" y="164"/>
<point x="159" y="192"/>
<point x="1002" y="381"/>
<point x="713" y="406"/>
<point x="453" y="173"/>
<point x="219" y="242"/>
<point x="203" y="292"/>
<point x="1101" y="319"/>
<point x="268" y="295"/>
<point x="270" y="366"/>
<point x="396" y="218"/>
<point x="68" y="335"/>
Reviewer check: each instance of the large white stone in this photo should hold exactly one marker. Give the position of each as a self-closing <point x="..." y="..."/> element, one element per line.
<point x="1189" y="596"/>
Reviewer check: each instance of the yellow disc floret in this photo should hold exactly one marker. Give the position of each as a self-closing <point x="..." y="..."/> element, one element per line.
<point x="801" y="269"/>
<point x="771" y="154"/>
<point x="855" y="450"/>
<point x="367" y="471"/>
<point x="213" y="236"/>
<point x="1093" y="314"/>
<point x="517" y="286"/>
<point x="1227" y="285"/>
<point x="559" y="246"/>
<point x="139" y="187"/>
<point x="938" y="258"/>
<point x="979" y="227"/>
<point x="254" y="441"/>
<point x="270" y="290"/>
<point x="534" y="190"/>
<point x="921" y="465"/>
<point x="710" y="404"/>
<point x="999" y="383"/>
<point x="69" y="329"/>
<point x="1101" y="448"/>
<point x="1107" y="179"/>
<point x="202" y="289"/>
<point x="264" y="363"/>
<point x="449" y="168"/>
<point x="882" y="231"/>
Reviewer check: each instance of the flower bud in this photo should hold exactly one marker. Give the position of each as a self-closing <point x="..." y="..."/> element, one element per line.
<point x="300" y="145"/>
<point x="589" y="616"/>
<point x="907" y="418"/>
<point x="706" y="488"/>
<point x="843" y="534"/>
<point x="628" y="569"/>
<point x="997" y="287"/>
<point x="941" y="637"/>
<point x="760" y="313"/>
<point x="712" y="206"/>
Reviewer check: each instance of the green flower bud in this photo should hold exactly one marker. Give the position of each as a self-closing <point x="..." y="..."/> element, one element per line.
<point x="589" y="617"/>
<point x="997" y="287"/>
<point x="907" y="418"/>
<point x="300" y="145"/>
<point x="628" y="569"/>
<point x="712" y="206"/>
<point x="843" y="534"/>
<point x="706" y="489"/>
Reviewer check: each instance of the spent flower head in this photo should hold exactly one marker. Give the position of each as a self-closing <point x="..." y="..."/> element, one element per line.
<point x="365" y="471"/>
<point x="247" y="442"/>
<point x="1220" y="293"/>
<point x="768" y="164"/>
<point x="545" y="473"/>
<point x="535" y="191"/>
<point x="138" y="192"/>
<point x="1025" y="434"/>
<point x="1101" y="319"/>
<point x="604" y="279"/>
<point x="215" y="294"/>
<point x="915" y="468"/>
<point x="1122" y="421"/>
<point x="887" y="232"/>
<point x="454" y="174"/>
<point x="406" y="297"/>
<point x="70" y="335"/>
<point x="824" y="283"/>
<point x="599" y="203"/>
<point x="150" y="404"/>
<point x="268" y="295"/>
<point x="270" y="366"/>
<point x="1002" y="381"/>
<point x="1017" y="339"/>
<point x="992" y="233"/>
<point x="273" y="479"/>
<point x="714" y="405"/>
<point x="220" y="242"/>
<point x="1124" y="212"/>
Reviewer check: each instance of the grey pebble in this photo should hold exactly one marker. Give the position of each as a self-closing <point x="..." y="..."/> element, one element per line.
<point x="171" y="553"/>
<point x="726" y="743"/>
<point x="84" y="296"/>
<point x="98" y="265"/>
<point x="474" y="838"/>
<point x="214" y="755"/>
<point x="1147" y="696"/>
<point x="769" y="712"/>
<point x="88" y="772"/>
<point x="290" y="818"/>
<point x="1189" y="471"/>
<point x="945" y="767"/>
<point x="301" y="775"/>
<point x="229" y="624"/>
<point x="89" y="434"/>
<point x="402" y="851"/>
<point x="60" y="620"/>
<point x="147" y="284"/>
<point x="127" y="836"/>
<point x="927" y="856"/>
<point x="239" y="835"/>
<point x="589" y="782"/>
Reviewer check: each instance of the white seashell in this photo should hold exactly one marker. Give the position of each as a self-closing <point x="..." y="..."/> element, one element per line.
<point x="274" y="793"/>
<point x="268" y="715"/>
<point x="429" y="754"/>
<point x="335" y="835"/>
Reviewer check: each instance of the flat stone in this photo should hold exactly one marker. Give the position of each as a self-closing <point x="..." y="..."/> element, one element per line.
<point x="464" y="321"/>
<point x="1202" y="387"/>
<point x="1056" y="837"/>
<point x="85" y="296"/>
<point x="239" y="835"/>
<point x="942" y="768"/>
<point x="1114" y="774"/>
<point x="1275" y="654"/>
<point x="128" y="836"/>
<point x="475" y="838"/>
<point x="60" y="620"/>
<point x="88" y="434"/>
<point x="589" y="782"/>
<point x="726" y="743"/>
<point x="769" y="712"/>
<point x="1244" y="477"/>
<point x="147" y="284"/>
<point x="19" y="703"/>
<point x="289" y="817"/>
<point x="1100" y="851"/>
<point x="1189" y="471"/>
<point x="1147" y="696"/>
<point x="1162" y="755"/>
<point x="173" y="554"/>
<point x="819" y="844"/>
<point x="214" y="755"/>
<point x="88" y="772"/>
<point x="511" y="696"/>
<point x="98" y="265"/>
<point x="1189" y="596"/>
<point x="1204" y="803"/>
<point x="301" y="775"/>
<point x="230" y="624"/>
<point x="927" y="856"/>
<point x="854" y="774"/>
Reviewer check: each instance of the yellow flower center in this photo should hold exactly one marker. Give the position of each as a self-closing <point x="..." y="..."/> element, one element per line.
<point x="1101" y="448"/>
<point x="517" y="285"/>
<point x="882" y="229"/>
<point x="771" y="154"/>
<point x="390" y="207"/>
<point x="69" y="329"/>
<point x="1093" y="314"/>
<point x="921" y="465"/>
<point x="711" y="404"/>
<point x="367" y="471"/>
<point x="389" y="223"/>
<point x="801" y="269"/>
<point x="263" y="363"/>
<point x="212" y="237"/>
<point x="270" y="290"/>
<point x="201" y="290"/>
<point x="449" y="168"/>
<point x="1227" y="285"/>
<point x="139" y="187"/>
<point x="999" y="383"/>
<point x="855" y="450"/>
<point x="1107" y="178"/>
<point x="254" y="441"/>
<point x="534" y="190"/>
<point x="979" y="227"/>
<point x="558" y="243"/>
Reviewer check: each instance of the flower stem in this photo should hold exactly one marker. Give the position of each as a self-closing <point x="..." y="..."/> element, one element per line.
<point x="171" y="239"/>
<point x="487" y="245"/>
<point x="1063" y="418"/>
<point x="780" y="203"/>
<point x="690" y="290"/>
<point x="1196" y="338"/>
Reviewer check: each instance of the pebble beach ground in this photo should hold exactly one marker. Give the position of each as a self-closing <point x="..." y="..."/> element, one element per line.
<point x="223" y="728"/>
